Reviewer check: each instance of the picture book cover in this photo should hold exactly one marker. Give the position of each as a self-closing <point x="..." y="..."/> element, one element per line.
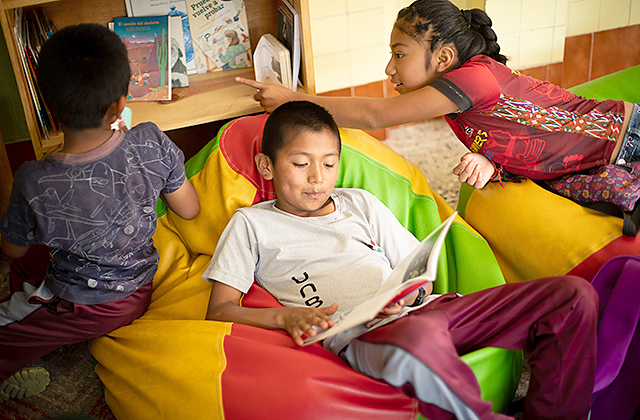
<point x="147" y="41"/>
<point x="220" y="34"/>
<point x="137" y="8"/>
<point x="177" y="61"/>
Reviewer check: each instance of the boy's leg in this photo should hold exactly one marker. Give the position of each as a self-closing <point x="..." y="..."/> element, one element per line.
<point x="59" y="322"/>
<point x="438" y="399"/>
<point x="554" y="318"/>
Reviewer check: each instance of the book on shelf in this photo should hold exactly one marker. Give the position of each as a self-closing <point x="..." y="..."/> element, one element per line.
<point x="136" y="8"/>
<point x="147" y="40"/>
<point x="31" y="30"/>
<point x="220" y="34"/>
<point x="289" y="36"/>
<point x="177" y="64"/>
<point x="272" y="62"/>
<point x="178" y="70"/>
<point x="414" y="271"/>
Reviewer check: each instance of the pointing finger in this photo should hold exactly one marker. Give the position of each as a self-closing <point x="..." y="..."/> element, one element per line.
<point x="249" y="82"/>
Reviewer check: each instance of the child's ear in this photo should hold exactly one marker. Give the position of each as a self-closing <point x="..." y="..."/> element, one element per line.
<point x="264" y="165"/>
<point x="120" y="104"/>
<point x="115" y="110"/>
<point x="446" y="57"/>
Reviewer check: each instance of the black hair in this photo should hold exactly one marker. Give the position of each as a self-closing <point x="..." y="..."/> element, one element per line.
<point x="291" y="118"/>
<point x="82" y="70"/>
<point x="469" y="31"/>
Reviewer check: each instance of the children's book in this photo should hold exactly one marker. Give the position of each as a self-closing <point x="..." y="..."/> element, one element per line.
<point x="289" y="36"/>
<point x="31" y="30"/>
<point x="177" y="62"/>
<point x="136" y="8"/>
<point x="147" y="40"/>
<point x="272" y="62"/>
<point x="220" y="35"/>
<point x="415" y="270"/>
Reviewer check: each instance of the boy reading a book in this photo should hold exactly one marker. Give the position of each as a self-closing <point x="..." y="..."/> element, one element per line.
<point x="321" y="250"/>
<point x="80" y="222"/>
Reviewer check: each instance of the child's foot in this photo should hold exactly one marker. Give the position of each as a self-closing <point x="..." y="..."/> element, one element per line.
<point x="25" y="383"/>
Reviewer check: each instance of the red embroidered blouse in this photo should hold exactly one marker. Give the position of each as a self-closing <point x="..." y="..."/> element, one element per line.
<point x="532" y="128"/>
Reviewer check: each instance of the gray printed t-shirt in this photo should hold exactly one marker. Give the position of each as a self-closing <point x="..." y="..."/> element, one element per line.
<point x="343" y="257"/>
<point x="96" y="213"/>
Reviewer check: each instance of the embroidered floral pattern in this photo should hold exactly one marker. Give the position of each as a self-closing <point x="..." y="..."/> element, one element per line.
<point x="595" y="124"/>
<point x="616" y="184"/>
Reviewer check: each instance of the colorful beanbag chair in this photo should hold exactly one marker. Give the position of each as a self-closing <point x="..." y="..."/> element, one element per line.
<point x="172" y="364"/>
<point x="536" y="233"/>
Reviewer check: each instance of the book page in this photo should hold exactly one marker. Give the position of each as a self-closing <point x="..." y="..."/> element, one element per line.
<point x="415" y="270"/>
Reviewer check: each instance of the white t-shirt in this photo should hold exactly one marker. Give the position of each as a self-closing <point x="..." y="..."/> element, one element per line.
<point x="343" y="257"/>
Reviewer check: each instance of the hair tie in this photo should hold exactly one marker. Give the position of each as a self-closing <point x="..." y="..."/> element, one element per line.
<point x="467" y="16"/>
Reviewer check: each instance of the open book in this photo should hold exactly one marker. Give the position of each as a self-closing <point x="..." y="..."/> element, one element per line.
<point x="414" y="271"/>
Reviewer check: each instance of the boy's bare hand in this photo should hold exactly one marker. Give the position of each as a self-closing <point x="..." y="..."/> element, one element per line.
<point x="300" y="321"/>
<point x="270" y="96"/>
<point x="386" y="312"/>
<point x="474" y="169"/>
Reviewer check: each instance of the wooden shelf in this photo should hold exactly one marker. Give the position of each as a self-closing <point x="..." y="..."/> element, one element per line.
<point x="209" y="97"/>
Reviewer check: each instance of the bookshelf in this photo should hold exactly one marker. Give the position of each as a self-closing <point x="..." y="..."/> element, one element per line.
<point x="209" y="97"/>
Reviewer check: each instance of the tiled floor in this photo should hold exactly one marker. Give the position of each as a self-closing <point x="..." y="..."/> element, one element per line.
<point x="432" y="147"/>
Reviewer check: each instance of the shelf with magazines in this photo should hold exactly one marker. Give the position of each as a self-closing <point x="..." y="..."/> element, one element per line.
<point x="209" y="97"/>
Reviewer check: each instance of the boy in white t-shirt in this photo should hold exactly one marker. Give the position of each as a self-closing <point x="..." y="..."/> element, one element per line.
<point x="321" y="251"/>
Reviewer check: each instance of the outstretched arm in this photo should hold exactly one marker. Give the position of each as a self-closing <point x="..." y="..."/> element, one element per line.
<point x="224" y="305"/>
<point x="183" y="201"/>
<point x="363" y="113"/>
<point x="474" y="169"/>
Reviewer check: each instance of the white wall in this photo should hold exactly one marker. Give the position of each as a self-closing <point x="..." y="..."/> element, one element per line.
<point x="531" y="32"/>
<point x="351" y="40"/>
<point x="351" y="37"/>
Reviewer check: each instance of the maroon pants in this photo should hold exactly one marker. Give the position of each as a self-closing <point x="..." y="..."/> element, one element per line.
<point x="555" y="319"/>
<point x="56" y="322"/>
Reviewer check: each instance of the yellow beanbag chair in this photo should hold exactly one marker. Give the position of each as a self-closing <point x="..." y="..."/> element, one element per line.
<point x="535" y="233"/>
<point x="172" y="364"/>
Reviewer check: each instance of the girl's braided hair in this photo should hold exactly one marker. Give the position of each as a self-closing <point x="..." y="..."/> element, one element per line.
<point x="469" y="31"/>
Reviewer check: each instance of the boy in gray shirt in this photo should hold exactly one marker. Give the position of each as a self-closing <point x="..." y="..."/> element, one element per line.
<point x="320" y="251"/>
<point x="80" y="222"/>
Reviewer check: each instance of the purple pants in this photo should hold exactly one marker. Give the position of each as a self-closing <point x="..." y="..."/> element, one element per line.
<point x="555" y="319"/>
<point x="32" y="327"/>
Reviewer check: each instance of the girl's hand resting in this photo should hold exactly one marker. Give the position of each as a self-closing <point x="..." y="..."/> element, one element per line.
<point x="270" y="96"/>
<point x="300" y="321"/>
<point x="474" y="169"/>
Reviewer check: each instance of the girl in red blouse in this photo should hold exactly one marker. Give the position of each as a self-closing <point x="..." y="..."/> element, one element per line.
<point x="446" y="62"/>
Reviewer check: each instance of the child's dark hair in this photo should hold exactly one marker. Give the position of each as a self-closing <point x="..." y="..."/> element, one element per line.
<point x="291" y="118"/>
<point x="82" y="70"/>
<point x="469" y="31"/>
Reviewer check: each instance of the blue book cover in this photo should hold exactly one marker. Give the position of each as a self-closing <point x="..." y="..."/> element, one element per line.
<point x="148" y="45"/>
<point x="171" y="8"/>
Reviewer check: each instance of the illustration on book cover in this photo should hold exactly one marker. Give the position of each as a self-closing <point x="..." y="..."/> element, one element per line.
<point x="220" y="35"/>
<point x="147" y="42"/>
